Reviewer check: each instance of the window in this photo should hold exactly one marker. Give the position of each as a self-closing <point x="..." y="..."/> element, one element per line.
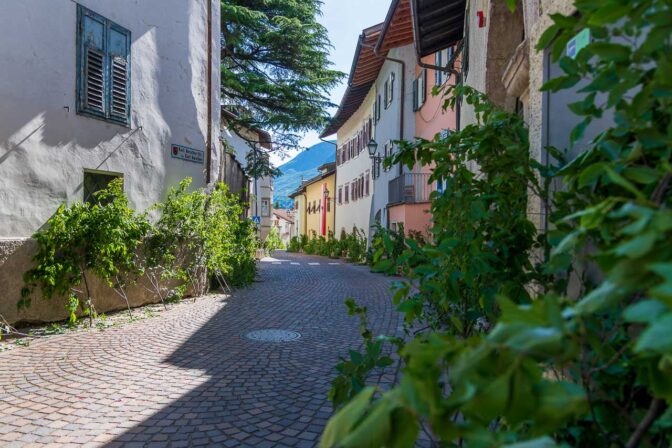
<point x="340" y="195"/>
<point x="420" y="90"/>
<point x="442" y="59"/>
<point x="389" y="90"/>
<point x="103" y="68"/>
<point x="328" y="204"/>
<point x="378" y="105"/>
<point x="367" y="183"/>
<point x="265" y="207"/>
<point x="319" y="205"/>
<point x="94" y="181"/>
<point x="347" y="194"/>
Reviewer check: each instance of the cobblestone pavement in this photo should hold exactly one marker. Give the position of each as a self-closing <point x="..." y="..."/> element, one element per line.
<point x="189" y="378"/>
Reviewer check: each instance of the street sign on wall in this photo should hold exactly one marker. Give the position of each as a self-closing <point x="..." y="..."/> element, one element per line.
<point x="578" y="43"/>
<point x="188" y="154"/>
<point x="256" y="219"/>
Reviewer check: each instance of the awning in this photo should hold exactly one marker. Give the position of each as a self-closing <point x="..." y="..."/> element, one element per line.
<point x="437" y="24"/>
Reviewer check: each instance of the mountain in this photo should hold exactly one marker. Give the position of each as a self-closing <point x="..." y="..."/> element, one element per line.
<point x="304" y="165"/>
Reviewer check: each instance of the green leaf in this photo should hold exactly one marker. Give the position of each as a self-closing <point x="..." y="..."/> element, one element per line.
<point x="611" y="51"/>
<point x="606" y="295"/>
<point x="547" y="37"/>
<point x="645" y="311"/>
<point x="637" y="247"/>
<point x="542" y="442"/>
<point x="657" y="337"/>
<point x="347" y="418"/>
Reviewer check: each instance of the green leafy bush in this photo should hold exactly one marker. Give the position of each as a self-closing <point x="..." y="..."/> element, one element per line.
<point x="196" y="233"/>
<point x="100" y="238"/>
<point x="511" y="354"/>
<point x="273" y="241"/>
<point x="294" y="245"/>
<point x="387" y="247"/>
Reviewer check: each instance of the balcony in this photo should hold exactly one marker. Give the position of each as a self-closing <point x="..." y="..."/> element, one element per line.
<point x="410" y="188"/>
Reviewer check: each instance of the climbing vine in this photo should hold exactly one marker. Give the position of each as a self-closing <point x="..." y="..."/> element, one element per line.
<point x="199" y="236"/>
<point x="575" y="350"/>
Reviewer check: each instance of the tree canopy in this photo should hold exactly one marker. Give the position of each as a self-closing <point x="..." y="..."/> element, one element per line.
<point x="275" y="68"/>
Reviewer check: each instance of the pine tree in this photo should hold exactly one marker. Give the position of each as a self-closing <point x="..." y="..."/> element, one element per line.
<point x="276" y="73"/>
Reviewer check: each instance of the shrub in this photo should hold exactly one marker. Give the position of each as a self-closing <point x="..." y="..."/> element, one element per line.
<point x="195" y="233"/>
<point x="100" y="238"/>
<point x="294" y="245"/>
<point x="273" y="241"/>
<point x="498" y="361"/>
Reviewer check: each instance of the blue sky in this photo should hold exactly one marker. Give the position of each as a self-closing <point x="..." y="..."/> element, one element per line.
<point x="345" y="20"/>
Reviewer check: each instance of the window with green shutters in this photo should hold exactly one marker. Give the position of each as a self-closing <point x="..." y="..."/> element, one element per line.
<point x="103" y="68"/>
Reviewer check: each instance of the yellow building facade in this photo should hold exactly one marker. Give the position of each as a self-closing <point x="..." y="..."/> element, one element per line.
<point x="314" y="203"/>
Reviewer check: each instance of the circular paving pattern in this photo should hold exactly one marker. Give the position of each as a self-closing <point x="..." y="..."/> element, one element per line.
<point x="194" y="376"/>
<point x="272" y="335"/>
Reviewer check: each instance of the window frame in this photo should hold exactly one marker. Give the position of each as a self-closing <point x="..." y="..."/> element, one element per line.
<point x="107" y="114"/>
<point x="87" y="198"/>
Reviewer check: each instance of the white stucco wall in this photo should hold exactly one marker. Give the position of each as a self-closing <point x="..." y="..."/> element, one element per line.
<point x="45" y="146"/>
<point x="265" y="185"/>
<point x="355" y="213"/>
<point x="388" y="127"/>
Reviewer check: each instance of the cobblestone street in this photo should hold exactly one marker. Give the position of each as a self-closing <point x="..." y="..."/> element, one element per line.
<point x="190" y="377"/>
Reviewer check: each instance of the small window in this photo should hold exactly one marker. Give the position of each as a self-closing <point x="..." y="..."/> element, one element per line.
<point x="103" y="68"/>
<point x="347" y="194"/>
<point x="95" y="181"/>
<point x="265" y="207"/>
<point x="378" y="107"/>
<point x="367" y="183"/>
<point x="420" y="90"/>
<point x="389" y="90"/>
<point x="340" y="195"/>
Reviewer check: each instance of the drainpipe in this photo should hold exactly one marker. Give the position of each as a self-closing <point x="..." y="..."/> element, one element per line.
<point x="450" y="69"/>
<point x="335" y="181"/>
<point x="208" y="142"/>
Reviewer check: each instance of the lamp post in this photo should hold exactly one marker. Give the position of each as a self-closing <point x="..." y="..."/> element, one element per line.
<point x="373" y="150"/>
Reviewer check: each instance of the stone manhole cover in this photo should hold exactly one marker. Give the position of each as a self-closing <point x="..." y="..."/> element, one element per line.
<point x="272" y="335"/>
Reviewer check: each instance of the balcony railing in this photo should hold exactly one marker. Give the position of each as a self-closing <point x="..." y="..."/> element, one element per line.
<point x="410" y="188"/>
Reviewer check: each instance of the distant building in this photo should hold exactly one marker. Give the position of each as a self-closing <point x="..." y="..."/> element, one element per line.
<point x="299" y="198"/>
<point x="283" y="220"/>
<point x="314" y="203"/>
<point x="354" y="126"/>
<point x="259" y="192"/>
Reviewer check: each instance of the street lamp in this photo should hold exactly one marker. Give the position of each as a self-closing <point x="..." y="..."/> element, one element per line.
<point x="373" y="149"/>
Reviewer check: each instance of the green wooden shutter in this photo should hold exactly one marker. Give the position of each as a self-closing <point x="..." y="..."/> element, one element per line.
<point x="119" y="92"/>
<point x="415" y="95"/>
<point x="91" y="63"/>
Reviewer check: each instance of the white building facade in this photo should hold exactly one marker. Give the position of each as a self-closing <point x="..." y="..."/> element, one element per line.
<point x="95" y="90"/>
<point x="394" y="121"/>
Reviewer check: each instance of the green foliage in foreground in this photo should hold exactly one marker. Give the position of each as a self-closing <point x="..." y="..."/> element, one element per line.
<point x="197" y="233"/>
<point x="575" y="351"/>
